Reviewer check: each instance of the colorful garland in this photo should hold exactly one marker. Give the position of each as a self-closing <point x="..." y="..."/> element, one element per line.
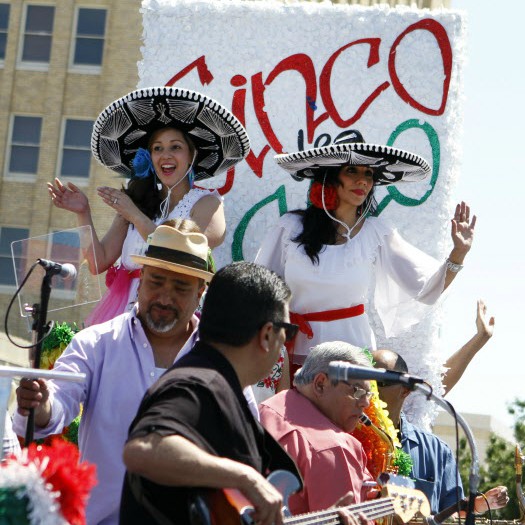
<point x="378" y="450"/>
<point x="55" y="343"/>
<point x="45" y="485"/>
<point x="52" y="347"/>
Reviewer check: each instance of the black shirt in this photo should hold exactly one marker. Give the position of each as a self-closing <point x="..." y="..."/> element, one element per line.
<point x="201" y="399"/>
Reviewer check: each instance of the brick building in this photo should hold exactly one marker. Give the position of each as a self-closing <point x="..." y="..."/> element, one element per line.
<point x="61" y="62"/>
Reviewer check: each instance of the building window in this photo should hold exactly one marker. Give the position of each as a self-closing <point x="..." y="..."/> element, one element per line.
<point x="38" y="32"/>
<point x="76" y="148"/>
<point x="25" y="145"/>
<point x="7" y="236"/>
<point x="89" y="39"/>
<point x="4" y="24"/>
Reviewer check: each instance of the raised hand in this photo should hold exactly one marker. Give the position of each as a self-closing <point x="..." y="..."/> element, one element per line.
<point x="69" y="197"/>
<point x="120" y="202"/>
<point x="484" y="325"/>
<point x="462" y="230"/>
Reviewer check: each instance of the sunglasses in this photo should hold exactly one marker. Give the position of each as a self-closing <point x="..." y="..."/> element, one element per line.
<point x="384" y="384"/>
<point x="290" y="329"/>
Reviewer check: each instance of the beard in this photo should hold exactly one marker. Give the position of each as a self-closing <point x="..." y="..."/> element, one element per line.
<point x="160" y="326"/>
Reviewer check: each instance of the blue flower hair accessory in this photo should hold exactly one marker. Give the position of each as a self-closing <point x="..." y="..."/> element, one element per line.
<point x="142" y="165"/>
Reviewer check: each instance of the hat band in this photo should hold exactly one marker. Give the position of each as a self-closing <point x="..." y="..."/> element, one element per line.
<point x="177" y="257"/>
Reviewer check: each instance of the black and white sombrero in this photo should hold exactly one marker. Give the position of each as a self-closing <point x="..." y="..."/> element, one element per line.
<point x="390" y="164"/>
<point x="127" y="123"/>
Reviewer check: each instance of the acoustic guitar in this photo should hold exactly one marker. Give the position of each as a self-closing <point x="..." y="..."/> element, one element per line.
<point x="230" y="507"/>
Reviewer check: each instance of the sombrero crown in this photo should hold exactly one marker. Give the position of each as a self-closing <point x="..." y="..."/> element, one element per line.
<point x="176" y="251"/>
<point x="390" y="164"/>
<point x="127" y="124"/>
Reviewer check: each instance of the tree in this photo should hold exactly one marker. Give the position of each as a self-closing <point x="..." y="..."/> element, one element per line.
<point x="499" y="462"/>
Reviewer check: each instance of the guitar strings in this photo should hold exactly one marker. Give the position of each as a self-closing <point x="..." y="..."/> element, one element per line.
<point x="376" y="509"/>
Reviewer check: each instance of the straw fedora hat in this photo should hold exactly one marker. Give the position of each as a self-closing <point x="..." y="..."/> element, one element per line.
<point x="175" y="251"/>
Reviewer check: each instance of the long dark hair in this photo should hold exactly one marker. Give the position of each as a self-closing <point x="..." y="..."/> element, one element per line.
<point x="144" y="191"/>
<point x="318" y="228"/>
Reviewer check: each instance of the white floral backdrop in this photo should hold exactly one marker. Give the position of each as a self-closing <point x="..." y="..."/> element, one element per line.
<point x="298" y="74"/>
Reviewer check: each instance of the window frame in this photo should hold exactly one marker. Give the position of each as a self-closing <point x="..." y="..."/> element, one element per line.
<point x="20" y="176"/>
<point x="28" y="64"/>
<point x="79" y="181"/>
<point x="89" y="69"/>
<point x="2" y="59"/>
<point x="8" y="288"/>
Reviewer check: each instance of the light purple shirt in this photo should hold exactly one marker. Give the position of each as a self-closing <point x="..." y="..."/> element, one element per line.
<point x="118" y="361"/>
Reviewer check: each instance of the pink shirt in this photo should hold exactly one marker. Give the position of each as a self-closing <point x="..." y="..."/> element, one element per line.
<point x="331" y="461"/>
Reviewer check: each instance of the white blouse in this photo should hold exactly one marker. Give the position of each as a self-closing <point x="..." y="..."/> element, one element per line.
<point x="134" y="244"/>
<point x="407" y="280"/>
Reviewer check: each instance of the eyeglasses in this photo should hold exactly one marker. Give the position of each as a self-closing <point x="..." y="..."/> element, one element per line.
<point x="359" y="393"/>
<point x="289" y="328"/>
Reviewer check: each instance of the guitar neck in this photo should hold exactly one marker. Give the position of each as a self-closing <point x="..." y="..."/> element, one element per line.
<point x="372" y="510"/>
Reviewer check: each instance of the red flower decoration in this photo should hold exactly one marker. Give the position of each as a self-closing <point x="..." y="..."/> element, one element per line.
<point x="331" y="200"/>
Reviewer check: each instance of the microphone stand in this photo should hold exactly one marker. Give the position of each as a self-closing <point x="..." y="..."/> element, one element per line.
<point x="426" y="390"/>
<point x="39" y="314"/>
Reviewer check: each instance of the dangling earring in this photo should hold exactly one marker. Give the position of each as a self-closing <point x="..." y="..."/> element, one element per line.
<point x="156" y="182"/>
<point x="191" y="177"/>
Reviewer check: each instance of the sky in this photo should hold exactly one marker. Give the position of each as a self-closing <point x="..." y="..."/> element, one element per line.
<point x="494" y="113"/>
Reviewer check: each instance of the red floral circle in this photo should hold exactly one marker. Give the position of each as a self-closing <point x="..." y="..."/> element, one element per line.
<point x="330" y="196"/>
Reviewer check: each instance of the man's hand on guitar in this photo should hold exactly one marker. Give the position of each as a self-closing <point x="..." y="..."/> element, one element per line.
<point x="265" y="498"/>
<point x="348" y="517"/>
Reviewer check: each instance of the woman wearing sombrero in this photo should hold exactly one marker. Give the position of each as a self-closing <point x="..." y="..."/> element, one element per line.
<point x="163" y="139"/>
<point x="330" y="253"/>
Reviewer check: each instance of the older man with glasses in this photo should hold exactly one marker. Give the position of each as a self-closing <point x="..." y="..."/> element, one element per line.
<point x="313" y="421"/>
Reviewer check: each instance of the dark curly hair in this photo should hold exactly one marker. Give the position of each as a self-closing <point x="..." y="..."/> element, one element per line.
<point x="144" y="192"/>
<point x="318" y="228"/>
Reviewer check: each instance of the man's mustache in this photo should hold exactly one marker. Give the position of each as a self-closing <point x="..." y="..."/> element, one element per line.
<point x="162" y="307"/>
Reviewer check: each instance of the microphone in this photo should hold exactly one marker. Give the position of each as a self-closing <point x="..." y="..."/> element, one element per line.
<point x="343" y="371"/>
<point x="67" y="271"/>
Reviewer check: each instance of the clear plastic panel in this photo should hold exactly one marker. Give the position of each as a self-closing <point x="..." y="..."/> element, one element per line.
<point x="65" y="246"/>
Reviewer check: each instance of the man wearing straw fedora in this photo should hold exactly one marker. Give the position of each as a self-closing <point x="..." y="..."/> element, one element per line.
<point x="122" y="358"/>
<point x="194" y="431"/>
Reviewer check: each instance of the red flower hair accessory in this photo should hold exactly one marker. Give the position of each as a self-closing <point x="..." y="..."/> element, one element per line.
<point x="331" y="200"/>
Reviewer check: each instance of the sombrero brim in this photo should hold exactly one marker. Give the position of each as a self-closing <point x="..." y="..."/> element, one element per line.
<point x="172" y="267"/>
<point x="390" y="165"/>
<point x="127" y="123"/>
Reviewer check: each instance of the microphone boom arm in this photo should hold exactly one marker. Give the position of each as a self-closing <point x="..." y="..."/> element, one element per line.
<point x="426" y="390"/>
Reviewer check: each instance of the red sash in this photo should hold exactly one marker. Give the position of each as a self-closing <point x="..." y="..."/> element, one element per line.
<point x="302" y="320"/>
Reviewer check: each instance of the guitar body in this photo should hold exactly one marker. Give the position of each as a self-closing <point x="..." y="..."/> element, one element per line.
<point x="230" y="507"/>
